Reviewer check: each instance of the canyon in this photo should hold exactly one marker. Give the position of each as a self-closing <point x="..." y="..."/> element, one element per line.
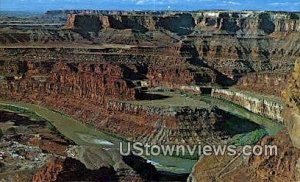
<point x="142" y="77"/>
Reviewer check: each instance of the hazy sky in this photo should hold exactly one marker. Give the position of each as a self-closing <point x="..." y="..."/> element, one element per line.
<point x="43" y="5"/>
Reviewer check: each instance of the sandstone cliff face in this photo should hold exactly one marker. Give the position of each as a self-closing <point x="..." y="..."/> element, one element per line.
<point x="87" y="23"/>
<point x="167" y="68"/>
<point x="77" y="80"/>
<point x="266" y="83"/>
<point x="239" y="43"/>
<point x="235" y="57"/>
<point x="292" y="109"/>
<point x="248" y="22"/>
<point x="287" y="25"/>
<point x="83" y="21"/>
<point x="269" y="107"/>
<point x="282" y="167"/>
<point x="158" y="125"/>
<point x="179" y="23"/>
<point x="185" y="23"/>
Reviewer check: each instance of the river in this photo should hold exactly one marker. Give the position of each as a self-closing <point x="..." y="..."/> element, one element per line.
<point x="87" y="136"/>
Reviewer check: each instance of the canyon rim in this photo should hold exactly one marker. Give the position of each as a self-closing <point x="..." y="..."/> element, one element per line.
<point x="75" y="84"/>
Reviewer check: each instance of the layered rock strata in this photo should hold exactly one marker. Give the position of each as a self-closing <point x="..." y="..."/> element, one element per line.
<point x="228" y="44"/>
<point x="231" y="22"/>
<point x="265" y="83"/>
<point x="267" y="106"/>
<point x="280" y="167"/>
<point x="96" y="93"/>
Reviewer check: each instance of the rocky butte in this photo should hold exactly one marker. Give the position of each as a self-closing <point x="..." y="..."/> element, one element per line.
<point x="154" y="78"/>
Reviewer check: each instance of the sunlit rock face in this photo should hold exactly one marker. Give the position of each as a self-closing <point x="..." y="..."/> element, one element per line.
<point x="282" y="167"/>
<point x="76" y="80"/>
<point x="249" y="22"/>
<point x="268" y="107"/>
<point x="292" y="109"/>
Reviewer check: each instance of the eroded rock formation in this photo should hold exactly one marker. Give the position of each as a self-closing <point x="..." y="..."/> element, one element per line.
<point x="292" y="110"/>
<point x="102" y="90"/>
<point x="270" y="107"/>
<point x="280" y="167"/>
<point x="265" y="83"/>
<point x="97" y="67"/>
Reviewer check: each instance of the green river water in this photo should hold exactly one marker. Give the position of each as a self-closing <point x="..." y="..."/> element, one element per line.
<point x="87" y="136"/>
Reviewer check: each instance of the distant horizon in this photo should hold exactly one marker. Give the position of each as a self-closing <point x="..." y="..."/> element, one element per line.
<point x="150" y="5"/>
<point x="133" y="10"/>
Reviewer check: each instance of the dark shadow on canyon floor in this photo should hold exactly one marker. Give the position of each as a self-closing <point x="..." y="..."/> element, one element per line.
<point x="233" y="125"/>
<point x="151" y="96"/>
